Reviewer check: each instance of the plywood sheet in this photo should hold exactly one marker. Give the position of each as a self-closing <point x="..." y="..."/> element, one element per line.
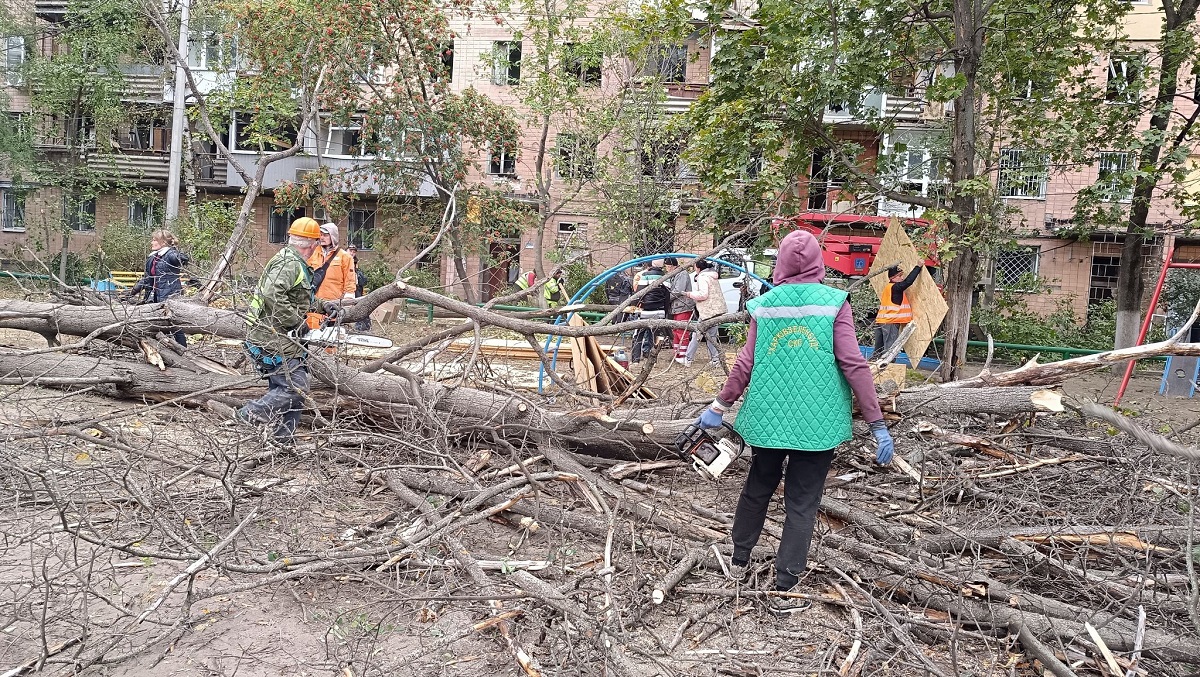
<point x="891" y="379"/>
<point x="929" y="308"/>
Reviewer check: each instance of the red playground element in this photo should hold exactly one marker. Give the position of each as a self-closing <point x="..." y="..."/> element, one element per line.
<point x="1168" y="263"/>
<point x="850" y="255"/>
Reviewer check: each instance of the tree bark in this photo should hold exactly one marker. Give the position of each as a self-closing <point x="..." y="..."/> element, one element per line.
<point x="960" y="272"/>
<point x="939" y="401"/>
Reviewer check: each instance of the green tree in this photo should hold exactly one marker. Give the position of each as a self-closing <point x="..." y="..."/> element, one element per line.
<point x="1161" y="169"/>
<point x="387" y="70"/>
<point x="277" y="79"/>
<point x="76" y="94"/>
<point x="774" y="80"/>
<point x="576" y="98"/>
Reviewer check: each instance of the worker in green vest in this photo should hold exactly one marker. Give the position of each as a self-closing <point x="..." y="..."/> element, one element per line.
<point x="798" y="368"/>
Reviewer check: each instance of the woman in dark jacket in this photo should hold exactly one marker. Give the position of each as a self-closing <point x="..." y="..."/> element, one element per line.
<point x="160" y="280"/>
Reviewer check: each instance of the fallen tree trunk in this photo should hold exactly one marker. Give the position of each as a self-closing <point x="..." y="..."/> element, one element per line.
<point x="492" y="410"/>
<point x="121" y="378"/>
<point x="1000" y="401"/>
<point x="626" y="431"/>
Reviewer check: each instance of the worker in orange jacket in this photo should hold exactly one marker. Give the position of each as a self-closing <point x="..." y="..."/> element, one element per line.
<point x="334" y="276"/>
<point x="895" y="311"/>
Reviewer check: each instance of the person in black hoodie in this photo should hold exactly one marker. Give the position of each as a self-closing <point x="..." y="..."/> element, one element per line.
<point x="654" y="306"/>
<point x="160" y="280"/>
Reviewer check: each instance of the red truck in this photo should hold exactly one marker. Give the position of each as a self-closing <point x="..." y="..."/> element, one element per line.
<point x="849" y="255"/>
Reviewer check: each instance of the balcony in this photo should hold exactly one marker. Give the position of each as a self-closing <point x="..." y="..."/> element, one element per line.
<point x="902" y="109"/>
<point x="211" y="169"/>
<point x="295" y="167"/>
<point x="51" y="10"/>
<point x="150" y="167"/>
<point x="144" y="83"/>
<point x="878" y="106"/>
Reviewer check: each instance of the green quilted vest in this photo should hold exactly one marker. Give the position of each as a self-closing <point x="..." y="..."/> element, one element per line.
<point x="798" y="397"/>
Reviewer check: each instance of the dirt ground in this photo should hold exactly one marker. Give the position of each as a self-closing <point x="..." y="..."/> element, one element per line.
<point x="350" y="621"/>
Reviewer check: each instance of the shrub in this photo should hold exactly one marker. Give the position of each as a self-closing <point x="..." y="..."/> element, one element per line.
<point x="123" y="246"/>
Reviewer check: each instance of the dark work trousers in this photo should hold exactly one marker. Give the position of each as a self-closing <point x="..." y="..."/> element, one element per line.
<point x="803" y="482"/>
<point x="885" y="336"/>
<point x="644" y="339"/>
<point x="287" y="385"/>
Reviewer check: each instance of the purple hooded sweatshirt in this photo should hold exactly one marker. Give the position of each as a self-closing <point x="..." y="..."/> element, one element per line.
<point x="800" y="261"/>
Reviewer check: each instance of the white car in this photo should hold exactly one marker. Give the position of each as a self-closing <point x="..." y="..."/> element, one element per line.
<point x="734" y="281"/>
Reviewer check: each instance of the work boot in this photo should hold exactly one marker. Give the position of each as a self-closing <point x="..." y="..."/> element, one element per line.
<point x="783" y="606"/>
<point x="244" y="415"/>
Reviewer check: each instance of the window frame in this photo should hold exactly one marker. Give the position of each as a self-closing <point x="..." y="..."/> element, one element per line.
<point x="211" y="50"/>
<point x="12" y="210"/>
<point x="1017" y="160"/>
<point x="506" y="70"/>
<point x="669" y="63"/>
<point x="235" y="126"/>
<point x="1110" y="191"/>
<point x="507" y="158"/>
<point x="588" y="75"/>
<point x="565" y="229"/>
<point x="80" y="214"/>
<point x="15" y="44"/>
<point x="276" y="218"/>
<point x="575" y="156"/>
<point x="149" y="207"/>
<point x="1034" y="251"/>
<point x="355" y="234"/>
<point x="361" y="148"/>
<point x="1120" y="88"/>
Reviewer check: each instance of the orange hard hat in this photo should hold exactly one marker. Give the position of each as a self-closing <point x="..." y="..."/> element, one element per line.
<point x="305" y="227"/>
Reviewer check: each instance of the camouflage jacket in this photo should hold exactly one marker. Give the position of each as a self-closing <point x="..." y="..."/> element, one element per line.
<point x="283" y="297"/>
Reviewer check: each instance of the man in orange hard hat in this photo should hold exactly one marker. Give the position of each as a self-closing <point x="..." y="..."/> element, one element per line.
<point x="894" y="309"/>
<point x="334" y="277"/>
<point x="274" y="337"/>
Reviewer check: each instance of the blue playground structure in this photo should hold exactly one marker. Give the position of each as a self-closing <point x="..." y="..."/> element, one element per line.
<point x="600" y="279"/>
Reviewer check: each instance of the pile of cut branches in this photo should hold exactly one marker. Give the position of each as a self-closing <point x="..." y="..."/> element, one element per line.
<point x="480" y="524"/>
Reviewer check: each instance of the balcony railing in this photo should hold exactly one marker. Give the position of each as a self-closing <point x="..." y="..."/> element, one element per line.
<point x="140" y="166"/>
<point x="211" y="169"/>
<point x="878" y="105"/>
<point x="902" y="109"/>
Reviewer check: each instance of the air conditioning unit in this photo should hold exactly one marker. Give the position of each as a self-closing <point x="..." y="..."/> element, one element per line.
<point x="302" y="174"/>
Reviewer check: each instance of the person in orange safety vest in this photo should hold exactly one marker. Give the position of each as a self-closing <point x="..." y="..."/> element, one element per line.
<point x="894" y="309"/>
<point x="334" y="275"/>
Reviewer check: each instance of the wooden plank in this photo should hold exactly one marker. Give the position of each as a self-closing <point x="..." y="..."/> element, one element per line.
<point x="581" y="364"/>
<point x="929" y="308"/>
<point x="596" y="356"/>
<point x="891" y="379"/>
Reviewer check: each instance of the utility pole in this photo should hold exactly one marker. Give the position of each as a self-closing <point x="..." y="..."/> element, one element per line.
<point x="177" y="116"/>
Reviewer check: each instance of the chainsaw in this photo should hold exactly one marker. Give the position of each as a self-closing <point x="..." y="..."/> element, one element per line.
<point x="710" y="455"/>
<point x="336" y="334"/>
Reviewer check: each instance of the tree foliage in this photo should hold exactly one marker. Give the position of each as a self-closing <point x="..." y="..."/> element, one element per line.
<point x="976" y="64"/>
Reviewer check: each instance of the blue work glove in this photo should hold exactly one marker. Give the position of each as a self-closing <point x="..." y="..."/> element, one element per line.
<point x="710" y="419"/>
<point x="885" y="448"/>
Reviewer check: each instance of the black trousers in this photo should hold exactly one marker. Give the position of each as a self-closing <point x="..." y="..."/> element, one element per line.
<point x="804" y="481"/>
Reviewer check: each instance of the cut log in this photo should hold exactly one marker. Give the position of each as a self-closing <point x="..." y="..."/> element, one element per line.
<point x="942" y="400"/>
